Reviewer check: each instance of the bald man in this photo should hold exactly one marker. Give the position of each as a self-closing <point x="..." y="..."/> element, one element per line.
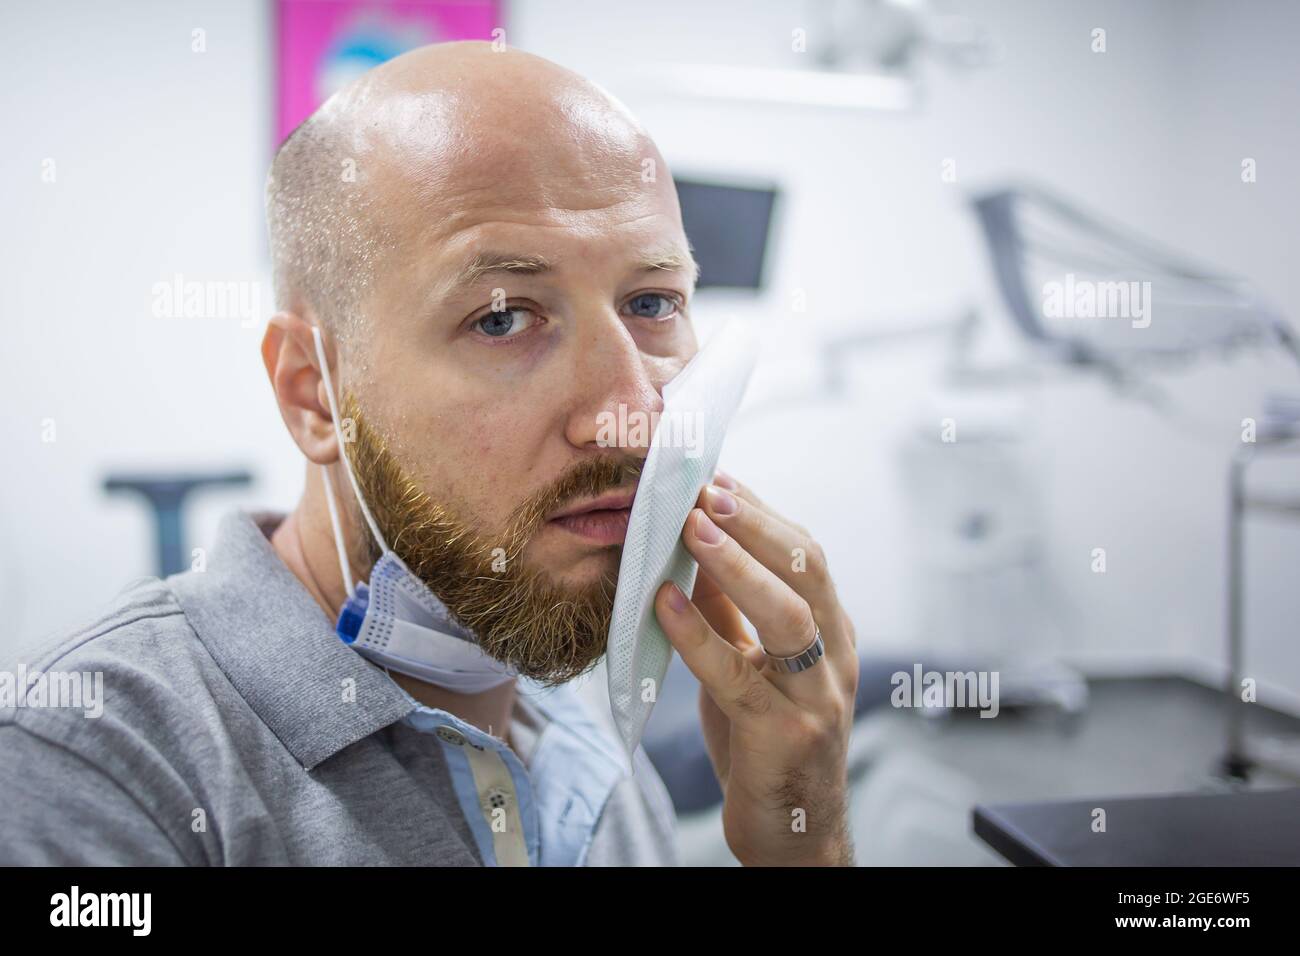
<point x="472" y="270"/>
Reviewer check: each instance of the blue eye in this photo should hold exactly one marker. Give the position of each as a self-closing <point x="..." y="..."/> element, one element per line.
<point x="652" y="305"/>
<point x="501" y="324"/>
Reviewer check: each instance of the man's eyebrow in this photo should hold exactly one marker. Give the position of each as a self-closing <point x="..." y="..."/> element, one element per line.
<point x="486" y="263"/>
<point x="671" y="261"/>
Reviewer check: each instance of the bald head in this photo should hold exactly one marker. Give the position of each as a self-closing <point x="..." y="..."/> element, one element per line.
<point x="431" y="140"/>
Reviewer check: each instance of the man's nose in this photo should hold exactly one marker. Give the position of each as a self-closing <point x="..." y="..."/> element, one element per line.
<point x="617" y="399"/>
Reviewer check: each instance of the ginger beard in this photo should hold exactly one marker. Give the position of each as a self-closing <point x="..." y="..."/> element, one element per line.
<point x="518" y="614"/>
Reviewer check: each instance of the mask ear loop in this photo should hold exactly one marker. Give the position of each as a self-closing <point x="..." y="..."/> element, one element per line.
<point x="344" y="564"/>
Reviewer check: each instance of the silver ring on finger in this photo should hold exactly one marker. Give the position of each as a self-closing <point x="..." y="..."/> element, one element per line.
<point x="805" y="659"/>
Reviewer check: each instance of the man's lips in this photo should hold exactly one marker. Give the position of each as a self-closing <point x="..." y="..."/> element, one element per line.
<point x="610" y="501"/>
<point x="600" y="521"/>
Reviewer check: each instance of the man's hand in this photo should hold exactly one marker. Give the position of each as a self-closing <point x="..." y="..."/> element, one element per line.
<point x="778" y="741"/>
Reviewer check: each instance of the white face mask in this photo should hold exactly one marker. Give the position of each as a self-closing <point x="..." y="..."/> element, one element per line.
<point x="396" y="621"/>
<point x="698" y="404"/>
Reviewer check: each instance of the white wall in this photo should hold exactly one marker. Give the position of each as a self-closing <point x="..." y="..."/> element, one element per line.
<point x="160" y="155"/>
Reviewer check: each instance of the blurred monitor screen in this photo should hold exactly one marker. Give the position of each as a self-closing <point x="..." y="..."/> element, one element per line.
<point x="728" y="228"/>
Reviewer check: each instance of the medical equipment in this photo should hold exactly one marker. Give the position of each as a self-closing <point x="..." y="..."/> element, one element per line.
<point x="1145" y="306"/>
<point x="1088" y="293"/>
<point x="167" y="496"/>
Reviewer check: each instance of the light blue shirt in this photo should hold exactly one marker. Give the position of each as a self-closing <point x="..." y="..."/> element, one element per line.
<point x="555" y="802"/>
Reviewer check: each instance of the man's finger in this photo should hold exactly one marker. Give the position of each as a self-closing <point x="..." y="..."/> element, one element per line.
<point x="724" y="480"/>
<point x="721" y="612"/>
<point x="782" y="617"/>
<point x="797" y="560"/>
<point x="785" y="622"/>
<point x="735" y="685"/>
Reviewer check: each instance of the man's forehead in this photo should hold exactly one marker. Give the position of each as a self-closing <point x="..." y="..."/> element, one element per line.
<point x="506" y="165"/>
<point x="482" y="195"/>
<point x="474" y="147"/>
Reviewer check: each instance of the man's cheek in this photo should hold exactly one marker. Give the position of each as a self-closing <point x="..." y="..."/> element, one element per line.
<point x="484" y="437"/>
<point x="483" y="460"/>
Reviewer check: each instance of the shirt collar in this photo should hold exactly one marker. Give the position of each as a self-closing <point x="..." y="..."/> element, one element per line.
<point x="279" y="650"/>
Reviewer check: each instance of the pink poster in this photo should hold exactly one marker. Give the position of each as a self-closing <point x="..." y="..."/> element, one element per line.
<point x="323" y="44"/>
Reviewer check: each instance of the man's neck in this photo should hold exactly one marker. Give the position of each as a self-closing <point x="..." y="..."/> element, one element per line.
<point x="489" y="710"/>
<point x="304" y="541"/>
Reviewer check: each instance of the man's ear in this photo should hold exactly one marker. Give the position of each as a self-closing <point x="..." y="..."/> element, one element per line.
<point x="289" y="354"/>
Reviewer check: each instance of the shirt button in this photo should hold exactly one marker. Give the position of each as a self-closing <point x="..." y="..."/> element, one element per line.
<point x="496" y="798"/>
<point x="451" y="736"/>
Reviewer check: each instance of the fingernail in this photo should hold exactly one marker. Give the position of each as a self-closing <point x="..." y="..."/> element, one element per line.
<point x="720" y="502"/>
<point x="676" y="599"/>
<point x="707" y="531"/>
<point x="724" y="480"/>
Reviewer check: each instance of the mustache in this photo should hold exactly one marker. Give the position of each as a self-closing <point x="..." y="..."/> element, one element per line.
<point x="584" y="479"/>
<point x="404" y="511"/>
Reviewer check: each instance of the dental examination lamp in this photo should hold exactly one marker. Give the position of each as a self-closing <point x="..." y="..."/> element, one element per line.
<point x="1149" y="307"/>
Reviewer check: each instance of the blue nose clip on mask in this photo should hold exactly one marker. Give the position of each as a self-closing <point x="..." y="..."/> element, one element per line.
<point x="395" y="621"/>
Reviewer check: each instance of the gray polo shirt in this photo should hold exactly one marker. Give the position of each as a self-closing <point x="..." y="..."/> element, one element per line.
<point x="234" y="728"/>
